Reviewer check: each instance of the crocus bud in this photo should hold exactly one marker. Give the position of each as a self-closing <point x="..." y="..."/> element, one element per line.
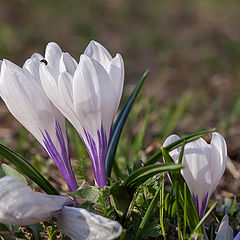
<point x="204" y="166"/>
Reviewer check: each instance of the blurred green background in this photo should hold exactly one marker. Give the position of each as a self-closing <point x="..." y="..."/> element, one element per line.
<point x="192" y="49"/>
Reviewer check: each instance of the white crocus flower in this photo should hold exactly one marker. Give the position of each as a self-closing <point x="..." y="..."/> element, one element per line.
<point x="22" y="92"/>
<point x="225" y="232"/>
<point x="88" y="95"/>
<point x="204" y="166"/>
<point x="20" y="205"/>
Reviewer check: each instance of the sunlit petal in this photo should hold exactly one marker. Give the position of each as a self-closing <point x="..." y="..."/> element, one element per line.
<point x="225" y="232"/>
<point x="20" y="205"/>
<point x="79" y="224"/>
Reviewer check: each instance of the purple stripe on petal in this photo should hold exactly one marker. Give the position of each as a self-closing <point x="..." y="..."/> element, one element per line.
<point x="201" y="210"/>
<point x="97" y="154"/>
<point x="195" y="200"/>
<point x="62" y="159"/>
<point x="204" y="206"/>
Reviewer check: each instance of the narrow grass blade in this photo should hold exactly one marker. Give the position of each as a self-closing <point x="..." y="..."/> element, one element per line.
<point x="147" y="214"/>
<point x="26" y="168"/>
<point x="118" y="125"/>
<point x="178" y="143"/>
<point x="142" y="174"/>
<point x="185" y="210"/>
<point x="161" y="207"/>
<point x="205" y="216"/>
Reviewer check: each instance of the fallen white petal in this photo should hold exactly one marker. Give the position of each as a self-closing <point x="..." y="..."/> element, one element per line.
<point x="20" y="205"/>
<point x="79" y="224"/>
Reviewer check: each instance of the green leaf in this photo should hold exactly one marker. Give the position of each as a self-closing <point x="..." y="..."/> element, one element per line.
<point x="174" y="210"/>
<point x="178" y="143"/>
<point x="89" y="193"/>
<point x="211" y="230"/>
<point x="142" y="174"/>
<point x="118" y="126"/>
<point x="120" y="199"/>
<point x="26" y="168"/>
<point x="5" y="170"/>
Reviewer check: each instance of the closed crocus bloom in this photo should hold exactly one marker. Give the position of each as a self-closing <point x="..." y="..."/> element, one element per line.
<point x="225" y="231"/>
<point x="20" y="205"/>
<point x="204" y="166"/>
<point x="22" y="92"/>
<point x="88" y="95"/>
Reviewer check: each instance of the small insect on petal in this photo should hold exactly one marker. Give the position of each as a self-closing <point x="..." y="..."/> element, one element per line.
<point x="44" y="61"/>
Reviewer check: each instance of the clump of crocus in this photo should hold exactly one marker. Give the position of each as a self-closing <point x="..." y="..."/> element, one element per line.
<point x="88" y="94"/>
<point x="204" y="166"/>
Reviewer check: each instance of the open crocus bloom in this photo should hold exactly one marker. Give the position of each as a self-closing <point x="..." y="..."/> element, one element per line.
<point x="88" y="95"/>
<point x="205" y="164"/>
<point x="22" y="91"/>
<point x="21" y="206"/>
<point x="225" y="232"/>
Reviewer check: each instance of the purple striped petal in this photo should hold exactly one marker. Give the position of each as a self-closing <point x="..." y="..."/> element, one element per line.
<point x="61" y="159"/>
<point x="201" y="210"/>
<point x="97" y="154"/>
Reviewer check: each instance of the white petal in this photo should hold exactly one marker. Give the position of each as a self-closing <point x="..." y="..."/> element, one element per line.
<point x="85" y="97"/>
<point x="22" y="206"/>
<point x="37" y="56"/>
<point x="65" y="86"/>
<point x="219" y="142"/>
<point x="116" y="73"/>
<point x="68" y="64"/>
<point x="94" y="96"/>
<point x="53" y="54"/>
<point x="196" y="173"/>
<point x="32" y="65"/>
<point x="65" y="102"/>
<point x="99" y="53"/>
<point x="57" y="93"/>
<point x="174" y="153"/>
<point x="79" y="224"/>
<point x="26" y="99"/>
<point x="218" y="159"/>
<point x="0" y="76"/>
<point x="225" y="232"/>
